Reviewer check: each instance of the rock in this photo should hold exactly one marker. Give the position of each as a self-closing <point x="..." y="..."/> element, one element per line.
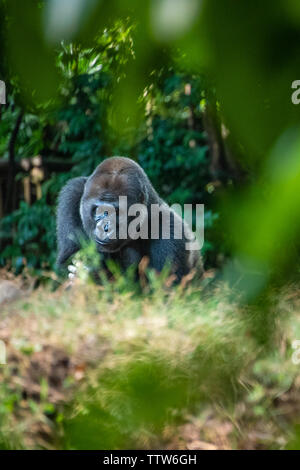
<point x="9" y="291"/>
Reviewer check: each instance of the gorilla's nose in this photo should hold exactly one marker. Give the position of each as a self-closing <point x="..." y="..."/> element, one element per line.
<point x="105" y="218"/>
<point x="105" y="230"/>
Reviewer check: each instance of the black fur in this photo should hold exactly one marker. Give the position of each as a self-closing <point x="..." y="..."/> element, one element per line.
<point x="75" y="199"/>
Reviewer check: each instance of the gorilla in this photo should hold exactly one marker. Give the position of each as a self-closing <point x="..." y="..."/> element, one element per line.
<point x="95" y="208"/>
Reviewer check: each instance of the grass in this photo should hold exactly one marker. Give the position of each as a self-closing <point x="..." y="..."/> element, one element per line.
<point x="113" y="367"/>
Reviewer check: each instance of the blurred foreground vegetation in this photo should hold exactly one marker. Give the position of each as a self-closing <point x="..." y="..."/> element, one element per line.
<point x="199" y="93"/>
<point x="117" y="369"/>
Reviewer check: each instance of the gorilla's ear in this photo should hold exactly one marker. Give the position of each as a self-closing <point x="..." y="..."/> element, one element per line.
<point x="68" y="220"/>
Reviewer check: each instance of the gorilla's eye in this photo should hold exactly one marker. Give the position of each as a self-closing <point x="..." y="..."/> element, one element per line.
<point x="98" y="213"/>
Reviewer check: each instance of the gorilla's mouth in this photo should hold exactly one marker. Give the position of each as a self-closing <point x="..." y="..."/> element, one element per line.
<point x="108" y="245"/>
<point x="107" y="241"/>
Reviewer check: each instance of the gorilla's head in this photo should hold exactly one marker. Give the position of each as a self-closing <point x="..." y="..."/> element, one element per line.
<point x="104" y="218"/>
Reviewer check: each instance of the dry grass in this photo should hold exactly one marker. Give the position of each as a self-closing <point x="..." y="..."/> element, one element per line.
<point x="106" y="367"/>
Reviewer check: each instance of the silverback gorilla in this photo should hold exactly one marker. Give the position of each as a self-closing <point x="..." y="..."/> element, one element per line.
<point x="96" y="208"/>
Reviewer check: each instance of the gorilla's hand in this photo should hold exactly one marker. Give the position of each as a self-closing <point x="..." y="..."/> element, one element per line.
<point x="77" y="270"/>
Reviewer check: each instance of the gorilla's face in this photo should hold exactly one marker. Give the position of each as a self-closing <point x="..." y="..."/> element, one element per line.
<point x="103" y="207"/>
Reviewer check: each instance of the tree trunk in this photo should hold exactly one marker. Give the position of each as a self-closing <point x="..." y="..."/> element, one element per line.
<point x="10" y="197"/>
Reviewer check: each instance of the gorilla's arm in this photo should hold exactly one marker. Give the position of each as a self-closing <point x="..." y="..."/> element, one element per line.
<point x="173" y="250"/>
<point x="69" y="225"/>
<point x="130" y="255"/>
<point x="169" y="251"/>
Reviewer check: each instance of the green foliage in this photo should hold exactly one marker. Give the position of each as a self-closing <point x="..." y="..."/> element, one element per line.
<point x="170" y="143"/>
<point x="73" y="128"/>
<point x="131" y="366"/>
<point x="145" y="53"/>
<point x="32" y="229"/>
<point x="294" y="443"/>
<point x="116" y="422"/>
<point x="174" y="152"/>
<point x="142" y="87"/>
